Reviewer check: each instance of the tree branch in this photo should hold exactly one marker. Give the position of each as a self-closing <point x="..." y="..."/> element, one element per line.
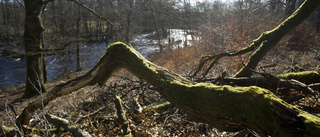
<point x="264" y="43"/>
<point x="275" y="35"/>
<point x="95" y="13"/>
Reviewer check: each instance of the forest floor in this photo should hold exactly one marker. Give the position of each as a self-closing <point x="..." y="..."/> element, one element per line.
<point x="93" y="110"/>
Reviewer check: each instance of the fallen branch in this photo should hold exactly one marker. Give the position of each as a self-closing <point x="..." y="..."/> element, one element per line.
<point x="160" y="107"/>
<point x="224" y="107"/>
<point x="60" y="122"/>
<point x="122" y="117"/>
<point x="291" y="80"/>
<point x="90" y="114"/>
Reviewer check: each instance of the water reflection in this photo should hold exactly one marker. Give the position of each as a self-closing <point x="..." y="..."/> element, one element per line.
<point x="12" y="71"/>
<point x="60" y="64"/>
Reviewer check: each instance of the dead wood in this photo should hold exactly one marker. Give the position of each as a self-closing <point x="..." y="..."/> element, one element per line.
<point x="124" y="123"/>
<point x="73" y="129"/>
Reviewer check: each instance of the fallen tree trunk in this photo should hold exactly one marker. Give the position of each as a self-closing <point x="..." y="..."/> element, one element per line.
<point x="224" y="107"/>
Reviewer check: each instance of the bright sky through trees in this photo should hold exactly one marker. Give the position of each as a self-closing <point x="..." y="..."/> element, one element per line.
<point x="224" y="1"/>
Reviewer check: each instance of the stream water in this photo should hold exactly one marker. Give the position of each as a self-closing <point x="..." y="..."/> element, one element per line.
<point x="13" y="69"/>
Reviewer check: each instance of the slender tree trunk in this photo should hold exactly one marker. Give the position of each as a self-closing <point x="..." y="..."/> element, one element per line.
<point x="79" y="65"/>
<point x="290" y="6"/>
<point x="5" y="19"/>
<point x="130" y="3"/>
<point x="33" y="37"/>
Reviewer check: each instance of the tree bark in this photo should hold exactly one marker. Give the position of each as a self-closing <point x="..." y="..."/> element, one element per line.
<point x="224" y="107"/>
<point x="33" y="37"/>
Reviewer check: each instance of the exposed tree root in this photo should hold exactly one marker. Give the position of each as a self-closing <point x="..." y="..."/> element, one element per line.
<point x="224" y="107"/>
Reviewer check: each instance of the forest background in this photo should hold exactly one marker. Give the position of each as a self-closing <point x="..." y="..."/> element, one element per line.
<point x="215" y="27"/>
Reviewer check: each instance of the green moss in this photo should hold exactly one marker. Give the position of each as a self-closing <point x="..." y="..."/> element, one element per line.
<point x="229" y="108"/>
<point x="89" y="99"/>
<point x="312" y="123"/>
<point x="161" y="107"/>
<point x="80" y="90"/>
<point x="307" y="77"/>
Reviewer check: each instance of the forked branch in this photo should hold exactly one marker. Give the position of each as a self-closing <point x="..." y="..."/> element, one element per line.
<point x="264" y="43"/>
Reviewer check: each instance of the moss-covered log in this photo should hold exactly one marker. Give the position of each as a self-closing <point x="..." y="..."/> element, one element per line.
<point x="224" y="107"/>
<point x="307" y="77"/>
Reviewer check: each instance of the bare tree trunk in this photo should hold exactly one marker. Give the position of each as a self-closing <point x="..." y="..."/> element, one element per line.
<point x="129" y="10"/>
<point x="79" y="65"/>
<point x="33" y="37"/>
<point x="155" y="24"/>
<point x="290" y="6"/>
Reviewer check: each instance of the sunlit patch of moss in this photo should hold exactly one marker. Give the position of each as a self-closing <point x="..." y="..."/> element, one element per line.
<point x="307" y="77"/>
<point x="311" y="122"/>
<point x="80" y="90"/>
<point x="89" y="99"/>
<point x="161" y="107"/>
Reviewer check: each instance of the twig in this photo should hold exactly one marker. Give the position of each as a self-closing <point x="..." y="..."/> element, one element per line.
<point x="136" y="99"/>
<point x="46" y="123"/>
<point x="215" y="58"/>
<point x="20" y="131"/>
<point x="97" y="14"/>
<point x="93" y="113"/>
<point x="20" y="4"/>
